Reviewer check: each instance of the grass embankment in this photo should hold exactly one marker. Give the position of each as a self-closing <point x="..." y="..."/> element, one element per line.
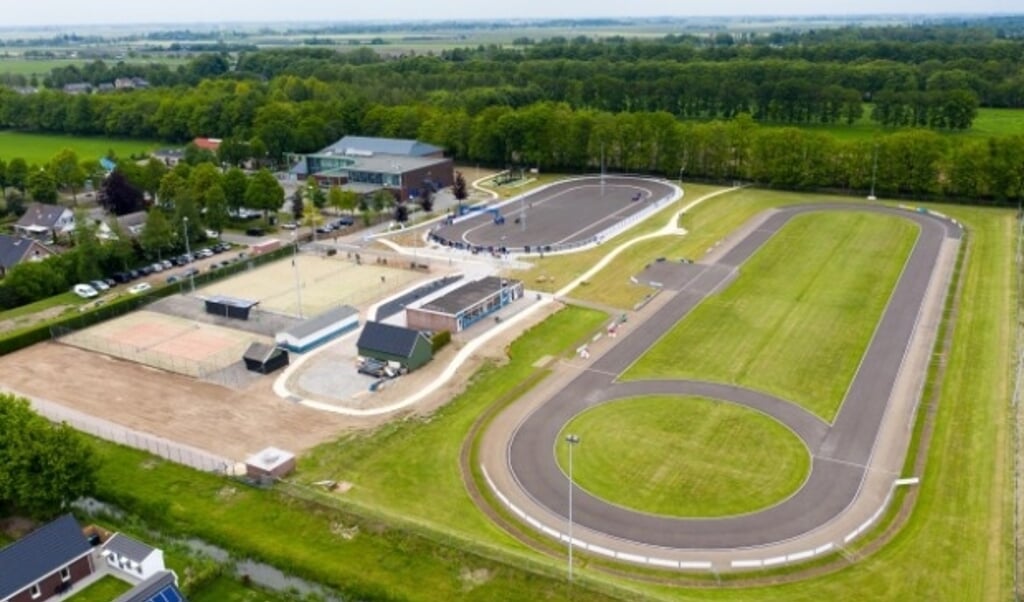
<point x="684" y="456"/>
<point x="40" y="148"/>
<point x="104" y="590"/>
<point x="798" y="319"/>
<point x="412" y="464"/>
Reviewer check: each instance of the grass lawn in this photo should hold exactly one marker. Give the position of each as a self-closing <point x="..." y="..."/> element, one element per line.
<point x="226" y="589"/>
<point x="684" y="456"/>
<point x="64" y="300"/>
<point x="104" y="590"/>
<point x="40" y="148"/>
<point x="799" y="317"/>
<point x="43" y="67"/>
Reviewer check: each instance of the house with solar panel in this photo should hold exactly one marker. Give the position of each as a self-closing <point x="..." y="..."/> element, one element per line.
<point x="161" y="587"/>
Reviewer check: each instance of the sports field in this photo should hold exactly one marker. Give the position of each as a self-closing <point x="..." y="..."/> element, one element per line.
<point x="326" y="282"/>
<point x="40" y="148"/>
<point x="799" y="317"/>
<point x="684" y="456"/>
<point x="166" y="342"/>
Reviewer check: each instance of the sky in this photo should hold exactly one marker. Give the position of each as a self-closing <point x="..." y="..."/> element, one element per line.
<point x="72" y="12"/>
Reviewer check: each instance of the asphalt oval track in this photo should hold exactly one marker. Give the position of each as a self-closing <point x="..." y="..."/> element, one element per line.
<point x="840" y="451"/>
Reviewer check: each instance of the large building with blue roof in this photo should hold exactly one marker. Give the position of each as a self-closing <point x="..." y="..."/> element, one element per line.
<point x="366" y="165"/>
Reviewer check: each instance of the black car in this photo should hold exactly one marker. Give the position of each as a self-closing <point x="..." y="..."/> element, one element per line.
<point x="146" y="270"/>
<point x="134" y="274"/>
<point x="122" y="277"/>
<point x="345" y="220"/>
<point x="255" y="232"/>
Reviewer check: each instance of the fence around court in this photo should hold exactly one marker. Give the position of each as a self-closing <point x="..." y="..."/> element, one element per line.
<point x="172" y="451"/>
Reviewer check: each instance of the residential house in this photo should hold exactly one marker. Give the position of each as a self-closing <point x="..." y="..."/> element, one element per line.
<point x="15" y="250"/>
<point x="124" y="83"/>
<point x="170" y="156"/>
<point x="45" y="222"/>
<point x="105" y="87"/>
<point x="78" y="88"/>
<point x="127" y="557"/>
<point x="46" y="562"/>
<point x="131" y="224"/>
<point x="161" y="587"/>
<point x="210" y="144"/>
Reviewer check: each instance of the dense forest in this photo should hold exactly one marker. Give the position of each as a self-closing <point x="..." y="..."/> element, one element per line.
<point x="704" y="107"/>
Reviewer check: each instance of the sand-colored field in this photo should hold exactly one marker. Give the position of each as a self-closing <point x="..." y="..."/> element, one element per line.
<point x="166" y="342"/>
<point x="326" y="282"/>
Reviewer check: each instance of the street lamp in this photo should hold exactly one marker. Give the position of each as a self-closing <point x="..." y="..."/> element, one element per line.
<point x="295" y="264"/>
<point x="874" y="171"/>
<point x="572" y="440"/>
<point x="188" y="252"/>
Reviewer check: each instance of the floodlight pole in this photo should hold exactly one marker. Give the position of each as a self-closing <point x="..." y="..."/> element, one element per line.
<point x="295" y="264"/>
<point x="188" y="251"/>
<point x="572" y="440"/>
<point x="602" y="169"/>
<point x="874" y="171"/>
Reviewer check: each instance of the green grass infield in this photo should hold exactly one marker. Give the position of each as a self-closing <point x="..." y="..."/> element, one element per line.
<point x="797" y="320"/>
<point x="684" y="456"/>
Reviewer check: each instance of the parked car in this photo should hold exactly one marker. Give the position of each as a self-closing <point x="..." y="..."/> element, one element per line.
<point x="289" y="226"/>
<point x="84" y="291"/>
<point x="141" y="287"/>
<point x="376" y="368"/>
<point x="99" y="285"/>
<point x="172" y="279"/>
<point x="157" y="267"/>
<point x="345" y="220"/>
<point x="167" y="264"/>
<point x="212" y="234"/>
<point x="146" y="270"/>
<point x="255" y="232"/>
<point x="122" y="277"/>
<point x="110" y="282"/>
<point x="327" y="229"/>
<point x="224" y="246"/>
<point x="190" y="272"/>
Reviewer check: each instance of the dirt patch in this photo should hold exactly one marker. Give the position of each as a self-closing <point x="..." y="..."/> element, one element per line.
<point x="227" y="422"/>
<point x="30" y="319"/>
<point x="473" y="578"/>
<point x="16" y="527"/>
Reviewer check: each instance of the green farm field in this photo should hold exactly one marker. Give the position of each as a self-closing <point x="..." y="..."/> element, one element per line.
<point x="684" y="456"/>
<point x="799" y="317"/>
<point x="18" y="65"/>
<point x="40" y="148"/>
<point x="989" y="123"/>
<point x="956" y="545"/>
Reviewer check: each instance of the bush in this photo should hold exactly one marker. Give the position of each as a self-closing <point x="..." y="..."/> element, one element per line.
<point x="440" y="339"/>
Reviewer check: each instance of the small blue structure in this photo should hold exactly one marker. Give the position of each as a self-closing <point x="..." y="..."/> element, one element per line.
<point x="107" y="164"/>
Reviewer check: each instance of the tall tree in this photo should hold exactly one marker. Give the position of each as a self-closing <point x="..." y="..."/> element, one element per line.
<point x="216" y="216"/>
<point x="264" y="193"/>
<point x="46" y="467"/>
<point x="118" y="196"/>
<point x="204" y="177"/>
<point x="157" y="235"/>
<point x="17" y="174"/>
<point x="42" y="186"/>
<point x="459" y="188"/>
<point x="88" y="252"/>
<point x="67" y="172"/>
<point x="153" y="173"/>
<point x="234" y="184"/>
<point x="298" y="209"/>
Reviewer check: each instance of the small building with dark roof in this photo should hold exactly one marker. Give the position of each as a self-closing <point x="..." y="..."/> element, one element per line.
<point x="15" y="250"/>
<point x="46" y="562"/>
<point x="161" y="587"/>
<point x="410" y="348"/>
<point x="128" y="557"/>
<point x="464" y="306"/>
<point x="318" y="330"/>
<point x="229" y="307"/>
<point x="264" y="358"/>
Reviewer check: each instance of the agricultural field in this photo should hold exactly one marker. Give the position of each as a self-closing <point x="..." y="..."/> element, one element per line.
<point x="40" y="148"/>
<point x="990" y="122"/>
<point x="18" y="65"/>
<point x="686" y="457"/>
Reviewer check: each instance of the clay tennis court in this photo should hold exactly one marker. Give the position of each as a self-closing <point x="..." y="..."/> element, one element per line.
<point x="166" y="342"/>
<point x="327" y="282"/>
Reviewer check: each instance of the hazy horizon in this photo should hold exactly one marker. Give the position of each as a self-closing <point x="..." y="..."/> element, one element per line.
<point x="65" y="13"/>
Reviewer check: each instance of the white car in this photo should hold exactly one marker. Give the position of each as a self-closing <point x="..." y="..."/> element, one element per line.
<point x="84" y="291"/>
<point x="140" y="288"/>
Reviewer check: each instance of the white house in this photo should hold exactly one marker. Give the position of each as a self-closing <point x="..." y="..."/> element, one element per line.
<point x="131" y="224"/>
<point x="45" y="222"/>
<point x="132" y="558"/>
